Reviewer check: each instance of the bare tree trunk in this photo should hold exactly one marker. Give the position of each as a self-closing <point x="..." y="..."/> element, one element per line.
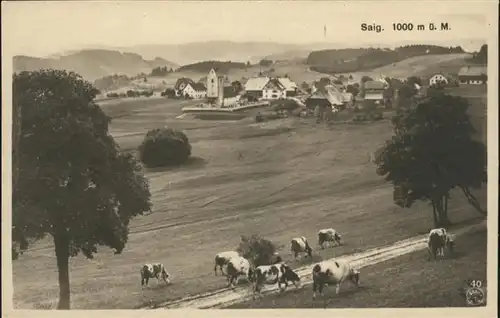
<point x="442" y="216"/>
<point x="62" y="254"/>
<point x="434" y="214"/>
<point x="445" y="210"/>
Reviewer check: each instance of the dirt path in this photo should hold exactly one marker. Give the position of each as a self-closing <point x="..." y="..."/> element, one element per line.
<point x="226" y="297"/>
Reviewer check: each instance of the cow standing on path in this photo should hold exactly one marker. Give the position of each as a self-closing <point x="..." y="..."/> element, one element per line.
<point x="300" y="245"/>
<point x="333" y="272"/>
<point x="223" y="259"/>
<point x="272" y="274"/>
<point x="437" y="241"/>
<point x="328" y="236"/>
<point x="236" y="268"/>
<point x="156" y="270"/>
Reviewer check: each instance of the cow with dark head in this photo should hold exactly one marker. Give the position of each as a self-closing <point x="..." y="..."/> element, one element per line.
<point x="333" y="272"/>
<point x="223" y="259"/>
<point x="281" y="274"/>
<point x="300" y="245"/>
<point x="328" y="236"/>
<point x="157" y="271"/>
<point x="437" y="241"/>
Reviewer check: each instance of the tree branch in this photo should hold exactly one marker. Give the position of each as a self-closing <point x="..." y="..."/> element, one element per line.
<point x="472" y="200"/>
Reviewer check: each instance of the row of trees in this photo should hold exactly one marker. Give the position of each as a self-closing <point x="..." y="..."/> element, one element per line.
<point x="352" y="60"/>
<point x="71" y="180"/>
<point x="161" y="71"/>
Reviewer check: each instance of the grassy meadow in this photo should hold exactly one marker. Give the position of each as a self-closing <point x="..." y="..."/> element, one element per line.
<point x="279" y="179"/>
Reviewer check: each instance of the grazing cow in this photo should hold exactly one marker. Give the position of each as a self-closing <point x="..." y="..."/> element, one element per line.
<point x="222" y="259"/>
<point x="328" y="236"/>
<point x="300" y="245"/>
<point x="236" y="267"/>
<point x="333" y="272"/>
<point x="437" y="240"/>
<point x="272" y="274"/>
<point x="154" y="271"/>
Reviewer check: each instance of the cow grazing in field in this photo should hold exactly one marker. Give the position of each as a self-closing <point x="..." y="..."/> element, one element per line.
<point x="272" y="274"/>
<point x="222" y="259"/>
<point x="238" y="267"/>
<point x="156" y="270"/>
<point x="300" y="245"/>
<point x="437" y="240"/>
<point x="333" y="272"/>
<point x="328" y="236"/>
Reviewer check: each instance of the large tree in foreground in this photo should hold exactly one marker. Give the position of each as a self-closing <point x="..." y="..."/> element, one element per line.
<point x="73" y="182"/>
<point x="432" y="152"/>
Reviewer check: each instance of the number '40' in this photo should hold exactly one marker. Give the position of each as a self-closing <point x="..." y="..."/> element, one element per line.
<point x="476" y="283"/>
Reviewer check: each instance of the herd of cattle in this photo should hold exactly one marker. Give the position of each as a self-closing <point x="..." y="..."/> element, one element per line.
<point x="328" y="272"/>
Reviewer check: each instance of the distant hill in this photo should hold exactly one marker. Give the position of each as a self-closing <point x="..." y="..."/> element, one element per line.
<point x="205" y="66"/>
<point x="93" y="64"/>
<point x="353" y="60"/>
<point x="224" y="50"/>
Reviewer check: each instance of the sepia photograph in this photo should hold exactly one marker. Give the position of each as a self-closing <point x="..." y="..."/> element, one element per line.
<point x="249" y="155"/>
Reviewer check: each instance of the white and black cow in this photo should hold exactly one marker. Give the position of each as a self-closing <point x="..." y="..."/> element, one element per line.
<point x="300" y="245"/>
<point x="437" y="240"/>
<point x="156" y="270"/>
<point x="279" y="274"/>
<point x="328" y="236"/>
<point x="238" y="267"/>
<point x="222" y="259"/>
<point x="333" y="272"/>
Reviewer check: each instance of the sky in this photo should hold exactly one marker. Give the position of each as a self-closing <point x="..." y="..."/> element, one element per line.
<point x="43" y="28"/>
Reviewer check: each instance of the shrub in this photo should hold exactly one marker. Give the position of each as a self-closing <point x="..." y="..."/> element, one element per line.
<point x="164" y="147"/>
<point x="258" y="250"/>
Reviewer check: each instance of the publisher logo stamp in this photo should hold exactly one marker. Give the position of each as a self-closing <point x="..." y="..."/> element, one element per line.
<point x="474" y="296"/>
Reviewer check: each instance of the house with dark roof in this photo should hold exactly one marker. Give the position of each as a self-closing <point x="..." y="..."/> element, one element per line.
<point x="181" y="84"/>
<point x="473" y="75"/>
<point x="195" y="91"/>
<point x="374" y="91"/>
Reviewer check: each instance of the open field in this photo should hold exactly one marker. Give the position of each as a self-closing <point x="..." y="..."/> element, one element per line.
<point x="403" y="282"/>
<point x="279" y="179"/>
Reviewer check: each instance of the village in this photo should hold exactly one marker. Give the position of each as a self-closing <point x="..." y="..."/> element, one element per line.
<point x="323" y="98"/>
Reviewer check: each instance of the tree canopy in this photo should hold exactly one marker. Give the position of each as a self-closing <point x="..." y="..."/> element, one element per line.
<point x="432" y="152"/>
<point x="73" y="181"/>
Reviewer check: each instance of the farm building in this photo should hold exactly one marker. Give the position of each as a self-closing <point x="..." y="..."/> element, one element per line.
<point x="181" y="84"/>
<point x="374" y="91"/>
<point x="473" y="75"/>
<point x="273" y="90"/>
<point x="254" y="86"/>
<point x="438" y="78"/>
<point x="325" y="97"/>
<point x="219" y="92"/>
<point x="196" y="91"/>
<point x="270" y="88"/>
<point x="290" y="86"/>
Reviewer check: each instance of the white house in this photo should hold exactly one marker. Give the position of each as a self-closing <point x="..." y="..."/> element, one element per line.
<point x="438" y="78"/>
<point x="254" y="87"/>
<point x="195" y="90"/>
<point x="273" y="90"/>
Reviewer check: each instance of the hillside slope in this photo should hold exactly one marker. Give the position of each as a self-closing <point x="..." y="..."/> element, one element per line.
<point x="93" y="64"/>
<point x="422" y="66"/>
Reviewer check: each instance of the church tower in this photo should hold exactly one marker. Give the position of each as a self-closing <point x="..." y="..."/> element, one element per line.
<point x="212" y="84"/>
